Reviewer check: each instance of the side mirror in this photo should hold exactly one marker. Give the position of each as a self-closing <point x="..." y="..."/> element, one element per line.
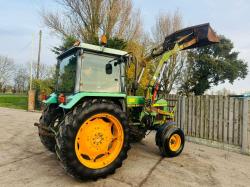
<point x="108" y="69"/>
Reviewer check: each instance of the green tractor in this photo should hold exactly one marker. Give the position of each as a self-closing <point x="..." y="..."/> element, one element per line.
<point x="90" y="120"/>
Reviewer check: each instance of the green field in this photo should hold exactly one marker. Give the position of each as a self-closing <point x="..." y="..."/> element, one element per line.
<point x="18" y="101"/>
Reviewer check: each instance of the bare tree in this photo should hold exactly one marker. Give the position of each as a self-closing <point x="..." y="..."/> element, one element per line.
<point x="6" y="70"/>
<point x="21" y="79"/>
<point x="45" y="71"/>
<point x="87" y="19"/>
<point x="165" y="25"/>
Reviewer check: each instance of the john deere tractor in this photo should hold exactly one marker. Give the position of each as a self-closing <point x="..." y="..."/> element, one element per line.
<point x="90" y="119"/>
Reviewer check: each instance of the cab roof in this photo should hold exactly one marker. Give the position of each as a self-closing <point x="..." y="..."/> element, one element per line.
<point x="93" y="48"/>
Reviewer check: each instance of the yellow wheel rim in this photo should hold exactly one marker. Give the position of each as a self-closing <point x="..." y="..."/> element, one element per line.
<point x="99" y="141"/>
<point x="175" y="142"/>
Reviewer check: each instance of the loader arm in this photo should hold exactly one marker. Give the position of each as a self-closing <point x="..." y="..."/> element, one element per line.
<point x="188" y="38"/>
<point x="154" y="84"/>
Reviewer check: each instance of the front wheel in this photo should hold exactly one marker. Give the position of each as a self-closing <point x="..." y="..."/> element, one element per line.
<point x="171" y="141"/>
<point x="93" y="140"/>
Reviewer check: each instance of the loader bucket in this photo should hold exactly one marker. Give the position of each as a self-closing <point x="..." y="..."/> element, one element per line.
<point x="203" y="34"/>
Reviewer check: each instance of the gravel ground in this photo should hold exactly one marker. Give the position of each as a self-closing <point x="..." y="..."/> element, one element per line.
<point x="25" y="162"/>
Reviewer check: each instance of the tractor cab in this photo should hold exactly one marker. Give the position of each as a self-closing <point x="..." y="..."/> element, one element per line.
<point x="91" y="68"/>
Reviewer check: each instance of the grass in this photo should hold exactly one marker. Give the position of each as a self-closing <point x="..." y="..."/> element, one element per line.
<point x="17" y="101"/>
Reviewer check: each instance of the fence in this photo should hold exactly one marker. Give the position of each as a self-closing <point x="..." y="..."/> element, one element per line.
<point x="215" y="120"/>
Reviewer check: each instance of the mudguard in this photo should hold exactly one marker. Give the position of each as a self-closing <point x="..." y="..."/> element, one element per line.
<point x="72" y="100"/>
<point x="51" y="100"/>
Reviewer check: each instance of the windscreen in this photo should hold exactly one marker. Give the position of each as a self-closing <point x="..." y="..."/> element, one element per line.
<point x="67" y="74"/>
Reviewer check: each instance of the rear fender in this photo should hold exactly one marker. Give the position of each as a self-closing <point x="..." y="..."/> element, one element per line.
<point x="74" y="99"/>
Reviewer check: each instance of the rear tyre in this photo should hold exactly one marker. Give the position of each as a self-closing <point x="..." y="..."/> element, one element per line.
<point x="170" y="141"/>
<point x="93" y="140"/>
<point x="50" y="116"/>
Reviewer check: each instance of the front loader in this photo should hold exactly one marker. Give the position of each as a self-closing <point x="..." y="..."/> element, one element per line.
<point x="90" y="120"/>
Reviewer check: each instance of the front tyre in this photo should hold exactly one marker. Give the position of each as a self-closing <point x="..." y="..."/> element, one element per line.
<point x="93" y="140"/>
<point x="171" y="141"/>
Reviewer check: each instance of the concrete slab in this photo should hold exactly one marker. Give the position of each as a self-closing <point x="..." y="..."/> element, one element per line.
<point x="25" y="162"/>
<point x="202" y="166"/>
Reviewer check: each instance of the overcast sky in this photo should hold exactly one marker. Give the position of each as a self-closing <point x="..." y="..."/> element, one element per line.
<point x="19" y="19"/>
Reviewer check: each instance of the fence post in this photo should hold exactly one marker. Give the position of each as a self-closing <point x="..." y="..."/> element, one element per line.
<point x="244" y="145"/>
<point x="179" y="112"/>
<point x="182" y="112"/>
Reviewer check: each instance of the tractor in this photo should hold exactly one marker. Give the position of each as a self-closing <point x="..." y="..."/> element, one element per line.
<point x="90" y="120"/>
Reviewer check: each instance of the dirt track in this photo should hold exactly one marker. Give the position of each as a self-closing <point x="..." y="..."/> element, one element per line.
<point x="25" y="162"/>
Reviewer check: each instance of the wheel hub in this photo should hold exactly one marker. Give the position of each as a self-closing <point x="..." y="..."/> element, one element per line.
<point x="98" y="139"/>
<point x="175" y="142"/>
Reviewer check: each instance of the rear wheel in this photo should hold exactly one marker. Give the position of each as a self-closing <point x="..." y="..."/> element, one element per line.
<point x="51" y="116"/>
<point x="93" y="140"/>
